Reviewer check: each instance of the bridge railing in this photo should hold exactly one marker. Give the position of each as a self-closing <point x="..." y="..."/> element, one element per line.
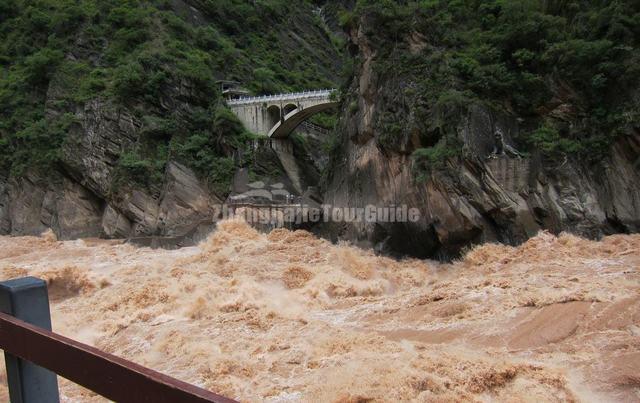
<point x="312" y="127"/>
<point x="282" y="97"/>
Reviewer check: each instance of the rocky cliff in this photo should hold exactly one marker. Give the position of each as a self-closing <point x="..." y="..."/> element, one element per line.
<point x="494" y="120"/>
<point x="479" y="200"/>
<point x="113" y="124"/>
<point x="83" y="195"/>
<point x="485" y="190"/>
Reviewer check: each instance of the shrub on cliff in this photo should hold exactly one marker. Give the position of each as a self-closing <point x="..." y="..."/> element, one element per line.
<point x="151" y="58"/>
<point x="523" y="58"/>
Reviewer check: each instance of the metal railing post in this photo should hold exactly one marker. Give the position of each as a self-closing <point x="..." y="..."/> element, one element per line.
<point x="27" y="299"/>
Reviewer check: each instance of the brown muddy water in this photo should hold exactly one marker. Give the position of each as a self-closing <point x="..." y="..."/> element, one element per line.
<point x="289" y="317"/>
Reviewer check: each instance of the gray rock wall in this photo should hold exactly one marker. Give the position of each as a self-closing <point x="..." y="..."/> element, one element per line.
<point x="32" y="204"/>
<point x="477" y="197"/>
<point x="501" y="199"/>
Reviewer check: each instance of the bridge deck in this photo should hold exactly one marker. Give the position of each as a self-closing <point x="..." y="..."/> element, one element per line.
<point x="282" y="97"/>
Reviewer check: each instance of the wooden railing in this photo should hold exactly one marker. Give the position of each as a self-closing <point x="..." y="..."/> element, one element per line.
<point x="34" y="355"/>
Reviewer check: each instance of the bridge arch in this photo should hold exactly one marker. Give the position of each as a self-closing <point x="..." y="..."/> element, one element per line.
<point x="288" y="108"/>
<point x="278" y="115"/>
<point x="294" y="118"/>
<point x="274" y="114"/>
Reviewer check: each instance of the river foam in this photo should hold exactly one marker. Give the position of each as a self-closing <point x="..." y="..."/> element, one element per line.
<point x="286" y="316"/>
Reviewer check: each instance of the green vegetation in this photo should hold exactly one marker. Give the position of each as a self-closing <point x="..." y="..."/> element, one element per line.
<point x="146" y="171"/>
<point x="202" y="151"/>
<point x="142" y="56"/>
<point x="549" y="142"/>
<point x="324" y="119"/>
<point x="517" y="57"/>
<point x="428" y="160"/>
<point x="41" y="142"/>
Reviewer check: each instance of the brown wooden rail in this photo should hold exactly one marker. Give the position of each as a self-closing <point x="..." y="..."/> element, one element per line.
<point x="112" y="377"/>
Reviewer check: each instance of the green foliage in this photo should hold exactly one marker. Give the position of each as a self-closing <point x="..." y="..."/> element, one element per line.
<point x="391" y="130"/>
<point x="323" y="119"/>
<point x="428" y="160"/>
<point x="221" y="175"/>
<point x="550" y="143"/>
<point x="347" y="19"/>
<point x="128" y="81"/>
<point x="517" y="57"/>
<point x="202" y="150"/>
<point x="449" y="106"/>
<point x="199" y="151"/>
<point x="158" y="128"/>
<point x="266" y="81"/>
<point x="148" y="57"/>
<point x="42" y="140"/>
<point x="39" y="66"/>
<point x="133" y="167"/>
<point x="226" y="121"/>
<point x="299" y="141"/>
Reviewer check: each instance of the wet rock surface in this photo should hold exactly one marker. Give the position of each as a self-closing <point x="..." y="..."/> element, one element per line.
<point x="491" y="192"/>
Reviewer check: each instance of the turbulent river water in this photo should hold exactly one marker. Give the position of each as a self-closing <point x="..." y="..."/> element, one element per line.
<point x="286" y="316"/>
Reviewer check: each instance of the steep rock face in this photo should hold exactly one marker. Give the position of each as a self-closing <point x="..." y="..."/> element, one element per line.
<point x="129" y="135"/>
<point x="5" y="221"/>
<point x="58" y="202"/>
<point x="25" y="206"/>
<point x="186" y="201"/>
<point x="81" y="199"/>
<point x="95" y="142"/>
<point x="83" y="196"/>
<point x="480" y="203"/>
<point x="480" y="196"/>
<point x="32" y="204"/>
<point x="115" y="224"/>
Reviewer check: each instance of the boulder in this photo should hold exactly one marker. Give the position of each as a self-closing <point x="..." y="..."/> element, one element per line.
<point x="185" y="202"/>
<point x="115" y="224"/>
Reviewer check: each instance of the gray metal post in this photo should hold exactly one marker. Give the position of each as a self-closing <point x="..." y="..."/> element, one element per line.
<point x="27" y="299"/>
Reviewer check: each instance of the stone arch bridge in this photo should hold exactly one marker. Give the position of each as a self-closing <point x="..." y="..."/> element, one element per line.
<point x="277" y="116"/>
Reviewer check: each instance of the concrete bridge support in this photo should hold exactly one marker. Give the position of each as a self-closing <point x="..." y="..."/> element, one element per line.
<point x="284" y="150"/>
<point x="277" y="116"/>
